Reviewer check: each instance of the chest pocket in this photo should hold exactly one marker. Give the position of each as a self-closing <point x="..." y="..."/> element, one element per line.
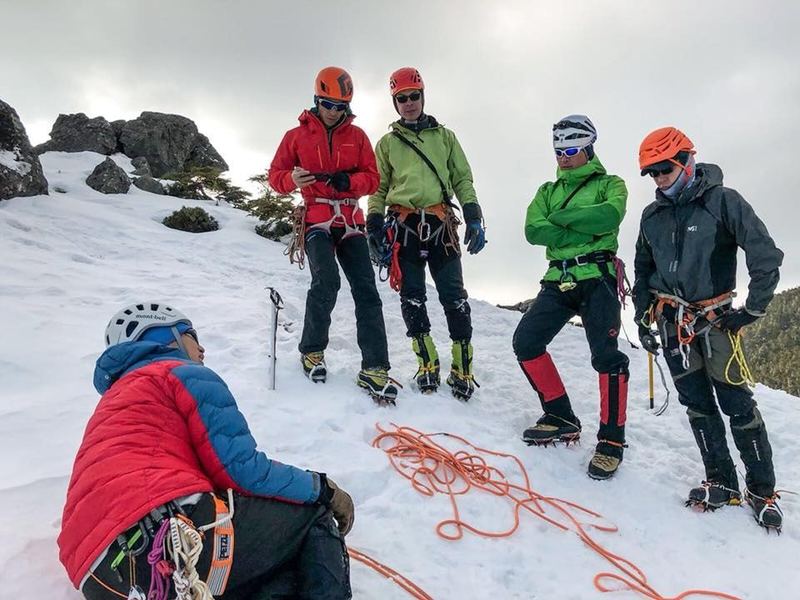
<point x="345" y="156"/>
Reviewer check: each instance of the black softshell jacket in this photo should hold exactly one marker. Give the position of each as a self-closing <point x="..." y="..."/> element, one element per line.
<point x="687" y="246"/>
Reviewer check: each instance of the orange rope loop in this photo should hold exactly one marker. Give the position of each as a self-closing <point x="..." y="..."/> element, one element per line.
<point x="434" y="469"/>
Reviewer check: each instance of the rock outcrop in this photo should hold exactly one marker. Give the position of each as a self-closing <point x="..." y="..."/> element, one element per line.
<point x="20" y="170"/>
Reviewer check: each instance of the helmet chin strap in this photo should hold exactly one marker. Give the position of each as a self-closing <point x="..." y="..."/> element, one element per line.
<point x="179" y="339"/>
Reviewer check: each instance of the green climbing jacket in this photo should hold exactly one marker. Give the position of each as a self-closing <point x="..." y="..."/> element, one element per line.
<point x="588" y="223"/>
<point x="407" y="181"/>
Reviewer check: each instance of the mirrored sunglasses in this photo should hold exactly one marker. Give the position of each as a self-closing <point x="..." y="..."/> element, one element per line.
<point x="331" y="105"/>
<point x="193" y="334"/>
<point x="403" y="98"/>
<point x="570" y="152"/>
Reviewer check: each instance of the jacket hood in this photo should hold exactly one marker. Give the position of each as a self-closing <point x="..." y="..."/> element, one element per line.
<point x="708" y="176"/>
<point x="121" y="358"/>
<point x="582" y="172"/>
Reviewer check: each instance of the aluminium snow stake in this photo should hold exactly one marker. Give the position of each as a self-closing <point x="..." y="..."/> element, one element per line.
<point x="276" y="304"/>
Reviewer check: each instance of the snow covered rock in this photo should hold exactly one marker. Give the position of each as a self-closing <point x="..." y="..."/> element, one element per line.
<point x="79" y="133"/>
<point x="109" y="178"/>
<point x="20" y="170"/>
<point x="170" y="143"/>
<point x="148" y="184"/>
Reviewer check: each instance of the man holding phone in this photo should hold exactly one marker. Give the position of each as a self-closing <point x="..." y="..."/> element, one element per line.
<point x="332" y="163"/>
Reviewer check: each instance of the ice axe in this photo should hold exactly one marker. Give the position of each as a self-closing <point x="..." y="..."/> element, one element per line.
<point x="276" y="303"/>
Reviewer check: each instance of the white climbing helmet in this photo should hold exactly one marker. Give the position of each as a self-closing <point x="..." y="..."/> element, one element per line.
<point x="131" y="322"/>
<point x="574" y="131"/>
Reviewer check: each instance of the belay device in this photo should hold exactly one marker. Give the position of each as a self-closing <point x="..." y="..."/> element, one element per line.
<point x="276" y="303"/>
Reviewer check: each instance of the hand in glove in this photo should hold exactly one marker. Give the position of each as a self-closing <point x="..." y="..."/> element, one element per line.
<point x="376" y="238"/>
<point x="734" y="320"/>
<point x="340" y="503"/>
<point x="648" y="340"/>
<point x="475" y="236"/>
<point x="340" y="181"/>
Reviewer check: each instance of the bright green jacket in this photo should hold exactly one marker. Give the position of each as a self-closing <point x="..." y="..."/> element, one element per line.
<point x="406" y="179"/>
<point x="589" y="222"/>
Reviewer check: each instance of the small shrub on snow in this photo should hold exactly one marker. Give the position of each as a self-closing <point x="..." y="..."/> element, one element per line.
<point x="191" y="219"/>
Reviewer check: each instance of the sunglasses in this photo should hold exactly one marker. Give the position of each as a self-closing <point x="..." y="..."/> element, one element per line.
<point x="569" y="152"/>
<point x="193" y="334"/>
<point x="656" y="171"/>
<point x="331" y="105"/>
<point x="403" y="98"/>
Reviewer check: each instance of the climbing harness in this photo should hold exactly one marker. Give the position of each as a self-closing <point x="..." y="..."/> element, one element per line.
<point x="601" y="258"/>
<point x="175" y="551"/>
<point x="432" y="468"/>
<point x="687" y="314"/>
<point x="296" y="250"/>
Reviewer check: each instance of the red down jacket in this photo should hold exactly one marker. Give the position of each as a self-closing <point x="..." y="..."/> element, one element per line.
<point x="165" y="427"/>
<point x="313" y="147"/>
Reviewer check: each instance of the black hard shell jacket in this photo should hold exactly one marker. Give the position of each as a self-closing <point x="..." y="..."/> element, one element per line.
<point x="687" y="246"/>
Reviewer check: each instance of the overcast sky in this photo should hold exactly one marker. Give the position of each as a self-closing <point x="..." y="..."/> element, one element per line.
<point x="497" y="73"/>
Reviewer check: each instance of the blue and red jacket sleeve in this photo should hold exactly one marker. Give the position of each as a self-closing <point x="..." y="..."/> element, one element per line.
<point x="224" y="445"/>
<point x="364" y="181"/>
<point x="280" y="170"/>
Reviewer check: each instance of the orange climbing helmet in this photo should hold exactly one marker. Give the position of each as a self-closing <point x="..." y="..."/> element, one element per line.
<point x="407" y="78"/>
<point x="663" y="145"/>
<point x="334" y="83"/>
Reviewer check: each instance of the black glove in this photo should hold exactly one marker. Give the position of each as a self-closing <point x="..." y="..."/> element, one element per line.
<point x="340" y="181"/>
<point x="475" y="235"/>
<point x="376" y="238"/>
<point x="648" y="340"/>
<point x="340" y="503"/>
<point x="734" y="320"/>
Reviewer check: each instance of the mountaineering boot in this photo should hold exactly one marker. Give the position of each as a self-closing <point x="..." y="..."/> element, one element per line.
<point x="314" y="366"/>
<point x="709" y="433"/>
<point x="710" y="495"/>
<point x="551" y="428"/>
<point x="461" y="380"/>
<point x="427" y="377"/>
<point x="380" y="386"/>
<point x="766" y="511"/>
<point x="606" y="460"/>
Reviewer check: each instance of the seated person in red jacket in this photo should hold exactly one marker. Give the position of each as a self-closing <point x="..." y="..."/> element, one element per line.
<point x="167" y="454"/>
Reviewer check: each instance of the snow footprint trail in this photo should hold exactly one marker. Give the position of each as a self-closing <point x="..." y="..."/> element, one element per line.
<point x="432" y="469"/>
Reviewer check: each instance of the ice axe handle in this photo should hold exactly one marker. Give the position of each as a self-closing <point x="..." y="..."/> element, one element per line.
<point x="650" y="379"/>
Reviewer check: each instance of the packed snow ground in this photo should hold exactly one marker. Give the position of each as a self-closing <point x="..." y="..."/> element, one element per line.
<point x="70" y="260"/>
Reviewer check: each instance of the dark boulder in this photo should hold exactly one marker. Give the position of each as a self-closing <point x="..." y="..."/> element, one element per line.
<point x="109" y="178"/>
<point x="141" y="167"/>
<point x="20" y="170"/>
<point x="170" y="143"/>
<point x="148" y="184"/>
<point x="79" y="133"/>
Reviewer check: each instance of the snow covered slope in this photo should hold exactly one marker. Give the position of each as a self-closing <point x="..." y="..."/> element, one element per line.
<point x="68" y="261"/>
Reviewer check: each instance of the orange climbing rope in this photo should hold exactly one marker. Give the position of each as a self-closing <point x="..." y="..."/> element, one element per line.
<point x="405" y="583"/>
<point x="432" y="468"/>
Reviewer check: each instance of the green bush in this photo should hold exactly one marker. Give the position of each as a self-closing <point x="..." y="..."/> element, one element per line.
<point x="273" y="231"/>
<point x="191" y="219"/>
<point x="772" y="344"/>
